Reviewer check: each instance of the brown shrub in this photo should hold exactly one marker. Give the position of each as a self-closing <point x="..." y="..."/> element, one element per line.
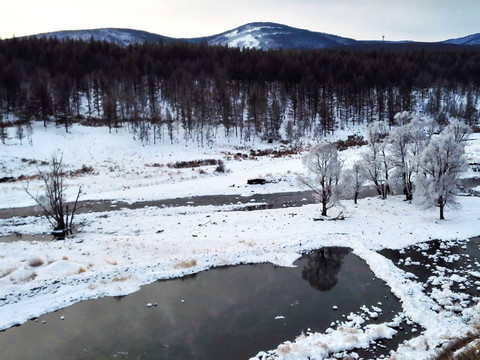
<point x="192" y="163"/>
<point x="35" y="262"/>
<point x="352" y="141"/>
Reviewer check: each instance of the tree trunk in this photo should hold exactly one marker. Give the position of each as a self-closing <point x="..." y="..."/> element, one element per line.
<point x="355" y="198"/>
<point x="324" y="208"/>
<point x="441" y="205"/>
<point x="408" y="194"/>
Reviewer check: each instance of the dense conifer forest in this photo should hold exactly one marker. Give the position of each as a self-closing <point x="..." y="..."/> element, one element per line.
<point x="156" y="89"/>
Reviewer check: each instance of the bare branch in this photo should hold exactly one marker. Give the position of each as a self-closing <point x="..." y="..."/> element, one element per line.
<point x="54" y="206"/>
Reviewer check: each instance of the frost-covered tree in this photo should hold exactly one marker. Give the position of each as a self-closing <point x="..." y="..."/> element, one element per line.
<point x="441" y="164"/>
<point x="400" y="139"/>
<point x="421" y="133"/>
<point x="376" y="163"/>
<point x="403" y="118"/>
<point x="405" y="143"/>
<point x="459" y="130"/>
<point x="386" y="166"/>
<point x="353" y="179"/>
<point x="3" y="130"/>
<point x="20" y="132"/>
<point x="324" y="169"/>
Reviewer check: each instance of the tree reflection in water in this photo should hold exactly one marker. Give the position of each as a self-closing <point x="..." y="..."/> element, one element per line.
<point x="323" y="267"/>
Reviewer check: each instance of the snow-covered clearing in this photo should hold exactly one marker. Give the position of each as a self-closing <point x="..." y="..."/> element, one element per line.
<point x="115" y="252"/>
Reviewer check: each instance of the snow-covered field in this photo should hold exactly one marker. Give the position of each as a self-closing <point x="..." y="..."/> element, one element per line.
<point x="115" y="252"/>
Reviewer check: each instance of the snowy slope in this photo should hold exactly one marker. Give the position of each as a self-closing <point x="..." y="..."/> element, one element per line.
<point x="473" y="39"/>
<point x="122" y="37"/>
<point x="265" y="36"/>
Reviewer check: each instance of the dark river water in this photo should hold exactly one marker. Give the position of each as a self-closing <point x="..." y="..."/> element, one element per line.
<point x="441" y="260"/>
<point x="225" y="313"/>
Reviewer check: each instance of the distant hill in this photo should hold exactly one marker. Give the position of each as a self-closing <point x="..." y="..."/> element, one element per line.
<point x="122" y="37"/>
<point x="261" y="35"/>
<point x="473" y="39"/>
<point x="266" y="36"/>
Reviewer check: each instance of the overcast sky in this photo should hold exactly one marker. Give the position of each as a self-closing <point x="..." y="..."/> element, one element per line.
<point x="421" y="20"/>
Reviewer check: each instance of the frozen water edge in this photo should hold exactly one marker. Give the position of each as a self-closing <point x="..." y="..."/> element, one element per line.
<point x="117" y="252"/>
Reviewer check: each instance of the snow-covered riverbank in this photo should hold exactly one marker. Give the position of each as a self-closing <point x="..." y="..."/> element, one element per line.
<point x="116" y="252"/>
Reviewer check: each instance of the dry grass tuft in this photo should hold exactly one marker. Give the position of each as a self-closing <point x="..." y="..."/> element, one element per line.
<point x="247" y="243"/>
<point x="35" y="262"/>
<point x="283" y="349"/>
<point x="65" y="258"/>
<point x="465" y="348"/>
<point x="186" y="264"/>
<point x="6" y="272"/>
<point x="81" y="270"/>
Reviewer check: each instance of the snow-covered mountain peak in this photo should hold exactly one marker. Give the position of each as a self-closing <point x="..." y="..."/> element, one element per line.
<point x="265" y="35"/>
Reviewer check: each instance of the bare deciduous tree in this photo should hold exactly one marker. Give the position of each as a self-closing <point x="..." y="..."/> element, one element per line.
<point x="53" y="202"/>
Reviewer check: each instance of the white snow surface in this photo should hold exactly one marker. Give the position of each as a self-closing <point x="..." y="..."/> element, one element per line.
<point x="245" y="41"/>
<point x="116" y="252"/>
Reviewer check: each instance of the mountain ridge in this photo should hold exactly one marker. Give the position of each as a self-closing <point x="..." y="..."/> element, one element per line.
<point x="258" y="35"/>
<point x="119" y="36"/>
<point x="269" y="35"/>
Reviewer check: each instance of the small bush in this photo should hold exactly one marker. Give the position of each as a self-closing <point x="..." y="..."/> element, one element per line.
<point x="35" y="262"/>
<point x="192" y="163"/>
<point x="240" y="156"/>
<point x="220" y="167"/>
<point x="283" y="152"/>
<point x="352" y="140"/>
<point x="82" y="171"/>
<point x="34" y="162"/>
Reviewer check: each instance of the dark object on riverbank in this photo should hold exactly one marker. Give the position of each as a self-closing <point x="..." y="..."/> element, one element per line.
<point x="256" y="181"/>
<point x="6" y="179"/>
